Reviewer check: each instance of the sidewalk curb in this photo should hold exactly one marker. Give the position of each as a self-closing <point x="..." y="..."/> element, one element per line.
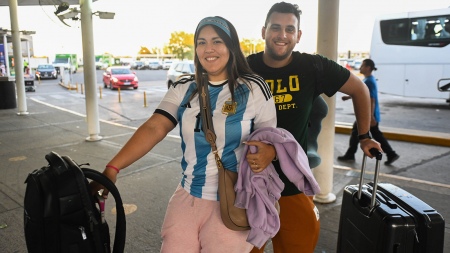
<point x="68" y="86"/>
<point x="407" y="135"/>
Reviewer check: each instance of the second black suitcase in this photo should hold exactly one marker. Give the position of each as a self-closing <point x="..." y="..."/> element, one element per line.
<point x="430" y="225"/>
<point x="374" y="222"/>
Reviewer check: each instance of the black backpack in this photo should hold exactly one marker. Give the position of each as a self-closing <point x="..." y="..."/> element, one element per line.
<point x="60" y="213"/>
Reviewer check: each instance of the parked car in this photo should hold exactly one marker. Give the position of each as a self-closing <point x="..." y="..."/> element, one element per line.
<point x="177" y="69"/>
<point x="137" y="65"/>
<point x="45" y="71"/>
<point x="154" y="65"/>
<point x="357" y="64"/>
<point x="167" y="63"/>
<point x="101" y="65"/>
<point x="118" y="76"/>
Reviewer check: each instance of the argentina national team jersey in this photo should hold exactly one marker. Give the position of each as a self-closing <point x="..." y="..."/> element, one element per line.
<point x="233" y="123"/>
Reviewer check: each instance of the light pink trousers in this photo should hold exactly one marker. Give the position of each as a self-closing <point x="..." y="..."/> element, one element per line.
<point x="193" y="225"/>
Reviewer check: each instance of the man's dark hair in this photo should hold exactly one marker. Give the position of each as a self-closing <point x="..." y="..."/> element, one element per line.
<point x="283" y="7"/>
<point x="370" y="63"/>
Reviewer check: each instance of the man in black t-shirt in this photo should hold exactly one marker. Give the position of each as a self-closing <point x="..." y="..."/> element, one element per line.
<point x="292" y="77"/>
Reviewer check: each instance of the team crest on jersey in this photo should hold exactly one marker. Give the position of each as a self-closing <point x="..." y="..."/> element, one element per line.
<point x="229" y="107"/>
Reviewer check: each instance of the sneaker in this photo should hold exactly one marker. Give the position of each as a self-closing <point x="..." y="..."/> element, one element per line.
<point x="391" y="159"/>
<point x="346" y="158"/>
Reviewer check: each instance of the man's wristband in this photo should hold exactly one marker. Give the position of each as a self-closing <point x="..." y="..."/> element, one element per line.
<point x="364" y="136"/>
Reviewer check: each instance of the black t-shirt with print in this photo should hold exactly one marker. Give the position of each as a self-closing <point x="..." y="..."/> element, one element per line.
<point x="294" y="88"/>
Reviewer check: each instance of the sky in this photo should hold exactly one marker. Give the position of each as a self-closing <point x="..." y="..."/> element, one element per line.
<point x="149" y="23"/>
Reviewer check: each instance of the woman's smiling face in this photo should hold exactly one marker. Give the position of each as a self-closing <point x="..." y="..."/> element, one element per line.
<point x="212" y="53"/>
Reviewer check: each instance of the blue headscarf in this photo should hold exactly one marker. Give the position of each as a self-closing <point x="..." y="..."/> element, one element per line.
<point x="216" y="21"/>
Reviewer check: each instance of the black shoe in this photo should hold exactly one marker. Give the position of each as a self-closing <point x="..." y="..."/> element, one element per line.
<point x="346" y="158"/>
<point x="391" y="159"/>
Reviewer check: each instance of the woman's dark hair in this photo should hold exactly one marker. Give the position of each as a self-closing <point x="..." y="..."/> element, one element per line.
<point x="237" y="64"/>
<point x="283" y="7"/>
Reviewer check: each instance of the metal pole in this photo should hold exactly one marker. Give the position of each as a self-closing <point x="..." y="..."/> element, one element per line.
<point x="327" y="38"/>
<point x="87" y="35"/>
<point x="5" y="47"/>
<point x="18" y="61"/>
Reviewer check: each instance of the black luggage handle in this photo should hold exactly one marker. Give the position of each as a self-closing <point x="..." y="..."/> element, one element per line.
<point x="120" y="233"/>
<point x="377" y="154"/>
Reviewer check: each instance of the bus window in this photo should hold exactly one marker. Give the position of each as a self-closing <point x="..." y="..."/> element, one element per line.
<point x="433" y="31"/>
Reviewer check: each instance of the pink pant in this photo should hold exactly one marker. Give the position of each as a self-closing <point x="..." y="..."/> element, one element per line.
<point x="193" y="225"/>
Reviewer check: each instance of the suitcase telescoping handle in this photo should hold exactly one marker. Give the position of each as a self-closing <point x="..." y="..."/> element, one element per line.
<point x="377" y="154"/>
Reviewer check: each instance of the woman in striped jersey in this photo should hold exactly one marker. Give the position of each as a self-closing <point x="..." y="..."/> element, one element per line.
<point x="241" y="102"/>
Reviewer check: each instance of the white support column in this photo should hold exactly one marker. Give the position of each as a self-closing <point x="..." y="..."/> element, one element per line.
<point x="18" y="61"/>
<point x="90" y="80"/>
<point x="327" y="38"/>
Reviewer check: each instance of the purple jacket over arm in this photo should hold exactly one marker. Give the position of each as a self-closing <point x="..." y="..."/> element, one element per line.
<point x="258" y="192"/>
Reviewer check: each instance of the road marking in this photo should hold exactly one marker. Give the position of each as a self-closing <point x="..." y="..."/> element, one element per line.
<point x="408" y="179"/>
<point x="58" y="96"/>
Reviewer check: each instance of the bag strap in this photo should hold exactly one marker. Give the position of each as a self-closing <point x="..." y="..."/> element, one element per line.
<point x="205" y="112"/>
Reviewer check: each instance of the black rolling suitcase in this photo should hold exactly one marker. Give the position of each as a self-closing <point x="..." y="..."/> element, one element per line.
<point x="388" y="221"/>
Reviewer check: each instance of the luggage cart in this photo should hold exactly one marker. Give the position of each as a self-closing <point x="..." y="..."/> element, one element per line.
<point x="29" y="85"/>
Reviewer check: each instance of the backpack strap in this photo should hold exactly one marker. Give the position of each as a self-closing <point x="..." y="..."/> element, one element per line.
<point x="318" y="67"/>
<point x="318" y="112"/>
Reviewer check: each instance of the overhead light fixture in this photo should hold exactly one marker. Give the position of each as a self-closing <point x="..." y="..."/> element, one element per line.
<point x="28" y="32"/>
<point x="62" y="7"/>
<point x="104" y="15"/>
<point x="71" y="14"/>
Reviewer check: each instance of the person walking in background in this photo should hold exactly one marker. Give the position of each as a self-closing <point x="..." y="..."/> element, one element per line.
<point x="294" y="83"/>
<point x="2" y="69"/>
<point x="241" y="102"/>
<point x="367" y="67"/>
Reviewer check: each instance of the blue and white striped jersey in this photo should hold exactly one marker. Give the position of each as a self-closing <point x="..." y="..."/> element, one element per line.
<point x="254" y="108"/>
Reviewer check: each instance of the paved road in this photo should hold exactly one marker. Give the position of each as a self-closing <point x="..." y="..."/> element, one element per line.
<point x="397" y="112"/>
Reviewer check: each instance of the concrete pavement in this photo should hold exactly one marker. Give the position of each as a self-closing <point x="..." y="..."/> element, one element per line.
<point x="147" y="185"/>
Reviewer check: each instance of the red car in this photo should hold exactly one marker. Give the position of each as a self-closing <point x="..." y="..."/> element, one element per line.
<point x="123" y="77"/>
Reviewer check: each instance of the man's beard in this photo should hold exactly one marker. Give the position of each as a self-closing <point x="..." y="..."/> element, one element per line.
<point x="277" y="57"/>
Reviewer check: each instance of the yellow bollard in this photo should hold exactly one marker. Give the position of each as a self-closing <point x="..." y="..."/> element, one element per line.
<point x="100" y="91"/>
<point x="118" y="92"/>
<point x="145" y="99"/>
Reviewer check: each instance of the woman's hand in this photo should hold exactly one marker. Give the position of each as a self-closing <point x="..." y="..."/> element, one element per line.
<point x="262" y="158"/>
<point x="96" y="187"/>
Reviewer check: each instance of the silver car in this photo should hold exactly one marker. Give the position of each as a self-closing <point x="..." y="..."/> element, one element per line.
<point x="177" y="69"/>
<point x="154" y="65"/>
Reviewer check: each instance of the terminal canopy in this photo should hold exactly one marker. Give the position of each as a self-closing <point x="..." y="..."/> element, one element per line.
<point x="42" y="2"/>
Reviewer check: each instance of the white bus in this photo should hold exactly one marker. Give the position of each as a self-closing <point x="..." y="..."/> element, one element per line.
<point x="412" y="53"/>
